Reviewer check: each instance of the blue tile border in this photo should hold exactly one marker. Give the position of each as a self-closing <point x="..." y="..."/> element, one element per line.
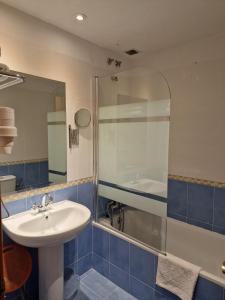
<point x="197" y="204"/>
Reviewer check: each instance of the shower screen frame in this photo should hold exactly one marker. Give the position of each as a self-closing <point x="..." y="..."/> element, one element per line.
<point x="96" y="165"/>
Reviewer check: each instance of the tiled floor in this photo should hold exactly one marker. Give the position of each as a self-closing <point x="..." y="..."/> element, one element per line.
<point x="94" y="286"/>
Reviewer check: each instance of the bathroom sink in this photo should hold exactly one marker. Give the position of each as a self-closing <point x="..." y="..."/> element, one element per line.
<point x="59" y="224"/>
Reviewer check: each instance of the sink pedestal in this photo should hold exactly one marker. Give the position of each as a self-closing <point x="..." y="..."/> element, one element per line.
<point x="51" y="269"/>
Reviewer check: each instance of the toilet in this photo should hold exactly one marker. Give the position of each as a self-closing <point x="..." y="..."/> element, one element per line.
<point x="7" y="184"/>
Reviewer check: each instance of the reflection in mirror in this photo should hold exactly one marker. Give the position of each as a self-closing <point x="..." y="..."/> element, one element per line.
<point x="133" y="140"/>
<point x="38" y="157"/>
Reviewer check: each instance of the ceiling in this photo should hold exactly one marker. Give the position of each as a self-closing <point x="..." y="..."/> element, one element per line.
<point x="147" y="25"/>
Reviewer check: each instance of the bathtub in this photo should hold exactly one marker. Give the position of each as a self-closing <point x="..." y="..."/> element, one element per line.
<point x="194" y="244"/>
<point x="198" y="246"/>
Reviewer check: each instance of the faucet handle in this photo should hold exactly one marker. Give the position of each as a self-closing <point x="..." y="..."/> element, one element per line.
<point x="35" y="208"/>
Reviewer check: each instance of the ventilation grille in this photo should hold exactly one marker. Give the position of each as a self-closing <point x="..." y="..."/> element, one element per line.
<point x="132" y="52"/>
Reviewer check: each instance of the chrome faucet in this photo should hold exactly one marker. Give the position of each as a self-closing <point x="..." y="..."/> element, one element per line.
<point x="46" y="202"/>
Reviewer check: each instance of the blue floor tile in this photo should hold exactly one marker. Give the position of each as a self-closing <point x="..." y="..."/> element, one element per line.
<point x="85" y="294"/>
<point x="94" y="286"/>
<point x="120" y="294"/>
<point x="99" y="284"/>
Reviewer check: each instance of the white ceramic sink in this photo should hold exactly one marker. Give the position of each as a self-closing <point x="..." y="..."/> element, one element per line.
<point x="61" y="223"/>
<point x="48" y="231"/>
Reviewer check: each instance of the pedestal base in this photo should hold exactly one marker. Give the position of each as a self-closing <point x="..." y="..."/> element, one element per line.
<point x="51" y="266"/>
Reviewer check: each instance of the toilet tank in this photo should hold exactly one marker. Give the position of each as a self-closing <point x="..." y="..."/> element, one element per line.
<point x="7" y="184"/>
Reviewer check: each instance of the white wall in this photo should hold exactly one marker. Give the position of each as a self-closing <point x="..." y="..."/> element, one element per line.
<point x="34" y="47"/>
<point x="196" y="76"/>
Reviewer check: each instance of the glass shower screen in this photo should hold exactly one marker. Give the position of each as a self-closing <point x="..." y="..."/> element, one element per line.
<point x="132" y="159"/>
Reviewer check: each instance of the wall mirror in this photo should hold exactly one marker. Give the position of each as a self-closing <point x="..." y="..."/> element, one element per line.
<point x="38" y="157"/>
<point x="82" y="118"/>
<point x="132" y="160"/>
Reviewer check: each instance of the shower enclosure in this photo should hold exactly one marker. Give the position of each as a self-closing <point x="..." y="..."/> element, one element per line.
<point x="131" y="154"/>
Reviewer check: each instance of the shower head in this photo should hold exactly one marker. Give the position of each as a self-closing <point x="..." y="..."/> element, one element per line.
<point x="9" y="78"/>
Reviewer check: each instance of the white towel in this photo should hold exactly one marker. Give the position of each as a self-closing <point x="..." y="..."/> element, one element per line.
<point x="177" y="276"/>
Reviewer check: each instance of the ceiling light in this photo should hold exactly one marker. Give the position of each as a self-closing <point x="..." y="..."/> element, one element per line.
<point x="80" y="17"/>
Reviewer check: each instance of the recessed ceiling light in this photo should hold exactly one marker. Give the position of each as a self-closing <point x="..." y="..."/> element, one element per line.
<point x="80" y="17"/>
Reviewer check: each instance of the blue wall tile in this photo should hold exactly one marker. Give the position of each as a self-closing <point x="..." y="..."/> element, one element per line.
<point x="70" y="252"/>
<point x="200" y="203"/>
<point x="177" y="198"/>
<point x="32" y="173"/>
<point x="100" y="265"/>
<point x="218" y="229"/>
<point x="219" y="207"/>
<point x="66" y="194"/>
<point x="44" y="172"/>
<point x="4" y="170"/>
<point x="206" y="290"/>
<point x="135" y="272"/>
<point x="142" y="265"/>
<point x="119" y="277"/>
<point x="119" y="253"/>
<point x="84" y="264"/>
<point x="16" y="207"/>
<point x="204" y="205"/>
<point x="101" y="242"/>
<point x="161" y="293"/>
<point x="84" y="241"/>
<point x="86" y="195"/>
<point x="177" y="217"/>
<point x="18" y="170"/>
<point x="166" y="296"/>
<point x="140" y="290"/>
<point x="200" y="224"/>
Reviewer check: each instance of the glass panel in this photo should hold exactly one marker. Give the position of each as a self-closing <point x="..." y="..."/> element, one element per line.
<point x="133" y="140"/>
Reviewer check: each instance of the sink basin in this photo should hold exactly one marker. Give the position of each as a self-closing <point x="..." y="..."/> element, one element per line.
<point x="57" y="225"/>
<point x="48" y="231"/>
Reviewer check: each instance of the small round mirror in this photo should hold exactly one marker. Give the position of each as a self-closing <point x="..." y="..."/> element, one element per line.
<point x="82" y="117"/>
